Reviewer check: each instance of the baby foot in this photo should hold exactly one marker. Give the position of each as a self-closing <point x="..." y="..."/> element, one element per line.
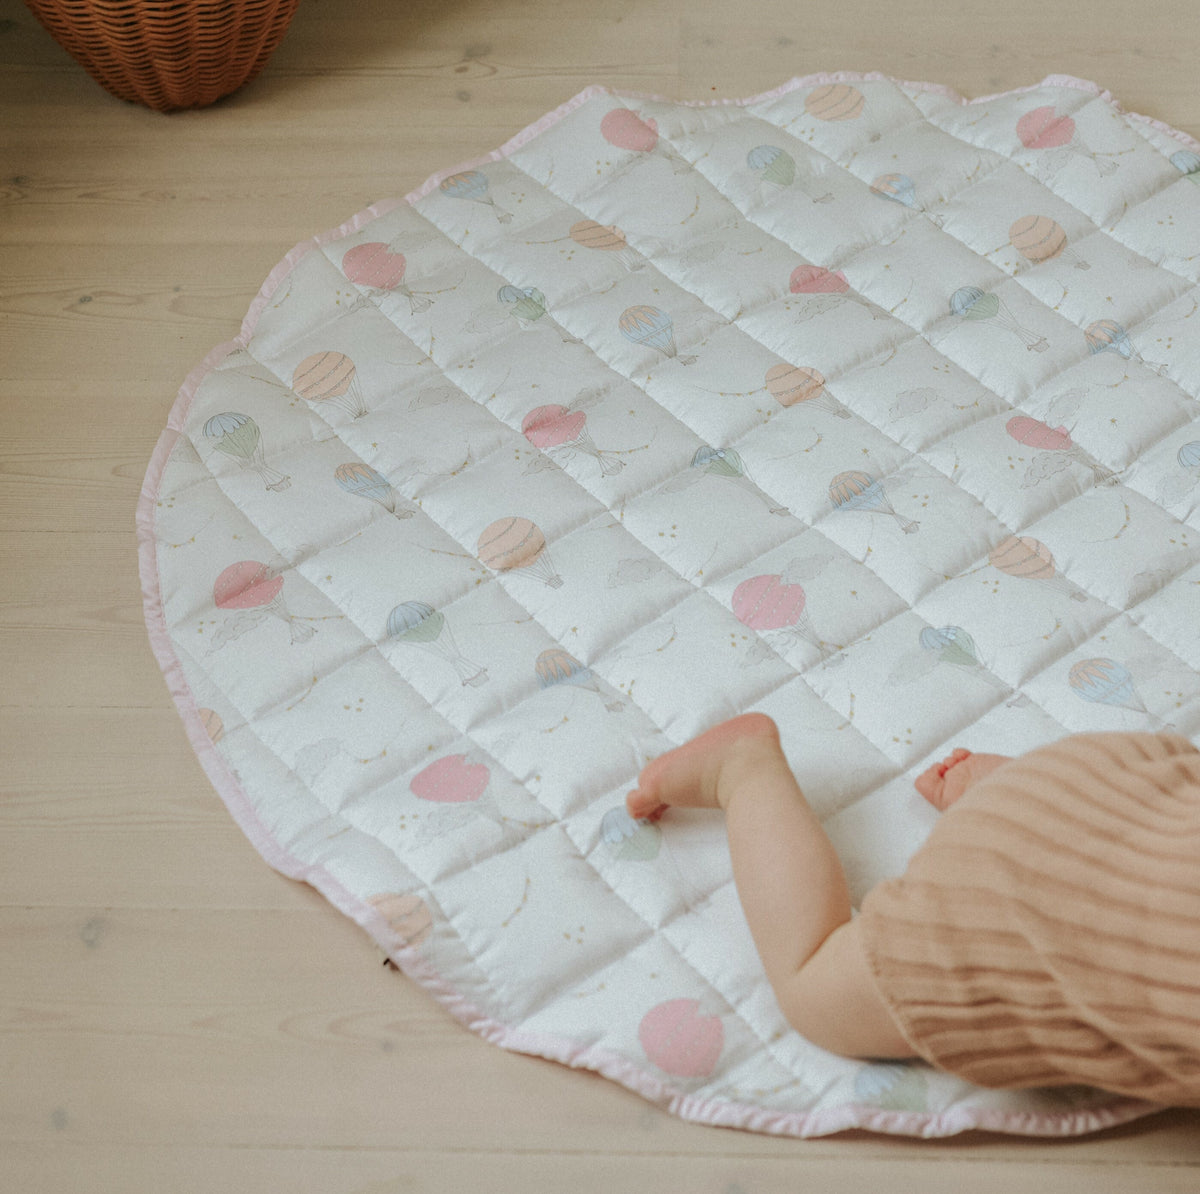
<point x="689" y="775"/>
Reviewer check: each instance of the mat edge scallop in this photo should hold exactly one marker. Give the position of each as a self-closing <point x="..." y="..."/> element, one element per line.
<point x="645" y="1080"/>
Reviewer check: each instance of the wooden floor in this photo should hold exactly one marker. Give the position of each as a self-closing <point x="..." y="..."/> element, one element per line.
<point x="174" y="1016"/>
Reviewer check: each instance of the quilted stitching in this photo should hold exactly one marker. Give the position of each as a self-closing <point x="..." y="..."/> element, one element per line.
<point x="852" y="403"/>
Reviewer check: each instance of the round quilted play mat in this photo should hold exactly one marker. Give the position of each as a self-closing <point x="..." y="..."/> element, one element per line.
<point x="855" y="402"/>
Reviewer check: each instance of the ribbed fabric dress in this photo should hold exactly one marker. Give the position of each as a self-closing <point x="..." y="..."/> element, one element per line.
<point x="1048" y="931"/>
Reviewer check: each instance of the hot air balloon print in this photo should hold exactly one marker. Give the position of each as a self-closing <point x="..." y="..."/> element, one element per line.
<point x="1188" y="164"/>
<point x="899" y="188"/>
<point x="417" y="624"/>
<point x="623" y="128"/>
<point x="607" y="238"/>
<point x="1033" y="433"/>
<point x="678" y="1038"/>
<point x="253" y="587"/>
<point x="1044" y="128"/>
<point x="1026" y="558"/>
<point x="858" y="491"/>
<point x="238" y="436"/>
<point x="835" y="103"/>
<point x="1176" y="486"/>
<point x="728" y="465"/>
<point x="472" y="186"/>
<point x="796" y="385"/>
<point x="776" y="169"/>
<point x="1107" y="682"/>
<point x="652" y="327"/>
<point x="526" y="304"/>
<point x="627" y="839"/>
<point x="771" y="605"/>
<point x="825" y="290"/>
<point x="330" y="378"/>
<point x="952" y="645"/>
<point x="363" y="481"/>
<point x="517" y="545"/>
<point x="1039" y="239"/>
<point x="554" y="666"/>
<point x="969" y="302"/>
<point x="559" y="430"/>
<point x="1106" y="335"/>
<point x="376" y="267"/>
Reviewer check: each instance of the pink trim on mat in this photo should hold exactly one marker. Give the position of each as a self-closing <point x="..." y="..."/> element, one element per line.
<point x="643" y="1081"/>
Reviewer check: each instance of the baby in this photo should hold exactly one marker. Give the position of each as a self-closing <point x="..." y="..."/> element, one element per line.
<point x="1047" y="933"/>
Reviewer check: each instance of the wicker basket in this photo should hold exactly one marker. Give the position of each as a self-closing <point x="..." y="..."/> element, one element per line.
<point x="168" y="54"/>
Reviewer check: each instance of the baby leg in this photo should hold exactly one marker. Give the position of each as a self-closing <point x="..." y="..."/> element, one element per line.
<point x="789" y="880"/>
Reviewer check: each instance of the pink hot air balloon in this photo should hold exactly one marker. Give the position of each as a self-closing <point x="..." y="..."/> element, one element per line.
<point x="823" y="290"/>
<point x="558" y="428"/>
<point x="376" y="267"/>
<point x="249" y="585"/>
<point x="680" y="1040"/>
<point x="1035" y="434"/>
<point x="451" y="780"/>
<point x="625" y="129"/>
<point x="769" y="604"/>
<point x="1044" y="128"/>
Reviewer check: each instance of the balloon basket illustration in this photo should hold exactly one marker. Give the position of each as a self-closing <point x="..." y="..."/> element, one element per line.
<point x="859" y="491"/>
<point x="416" y="624"/>
<point x="330" y="378"/>
<point x="517" y="545"/>
<point x="255" y="589"/>
<point x="238" y="437"/>
<point x="558" y="429"/>
<point x="975" y="305"/>
<point x="653" y="328"/>
<point x="381" y="271"/>
<point x="473" y="187"/>
<point x="554" y="666"/>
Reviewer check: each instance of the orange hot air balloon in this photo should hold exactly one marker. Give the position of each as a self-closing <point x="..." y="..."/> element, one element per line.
<point x="330" y="377"/>
<point x="407" y="916"/>
<point x="514" y="543"/>
<point x="1027" y="558"/>
<point x="791" y="385"/>
<point x="607" y="238"/>
<point x="835" y="101"/>
<point x="1039" y="239"/>
<point x="591" y="235"/>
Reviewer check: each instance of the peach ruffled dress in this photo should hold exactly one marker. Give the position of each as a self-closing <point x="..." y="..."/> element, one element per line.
<point x="1048" y="931"/>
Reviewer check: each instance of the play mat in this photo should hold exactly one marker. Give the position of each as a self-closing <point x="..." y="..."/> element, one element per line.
<point x="855" y="402"/>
